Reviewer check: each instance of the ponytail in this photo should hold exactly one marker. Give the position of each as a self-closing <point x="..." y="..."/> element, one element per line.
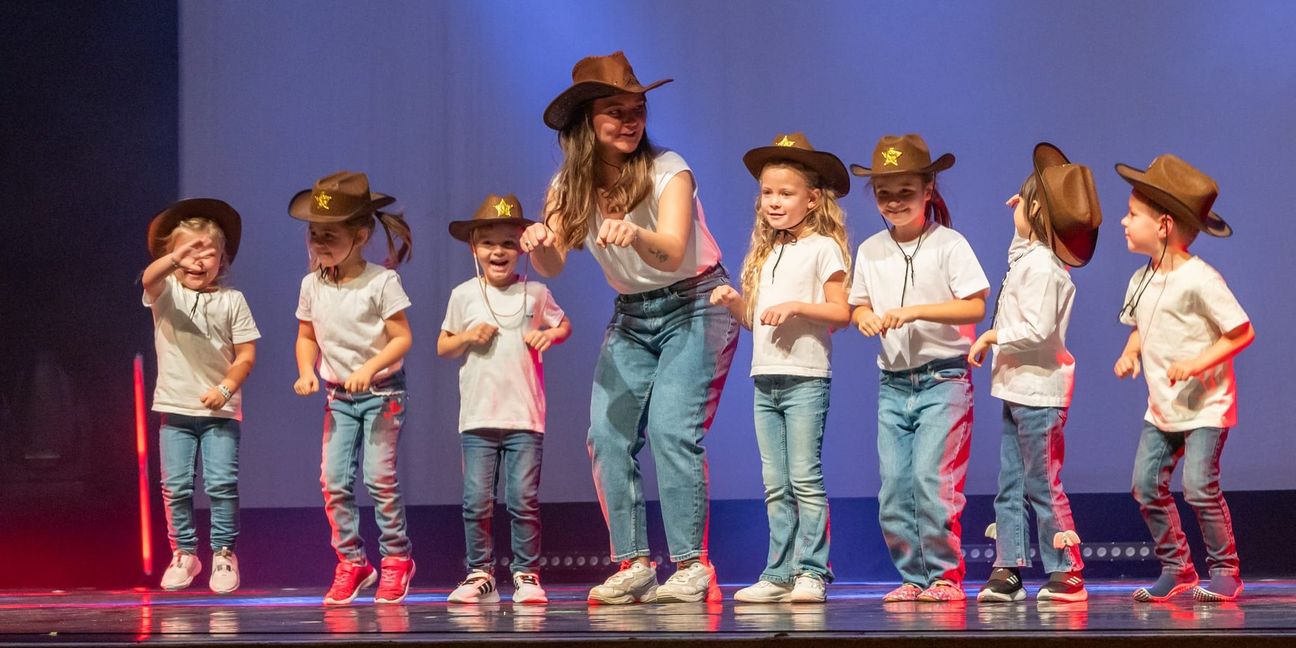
<point x="394" y="224"/>
<point x="937" y="210"/>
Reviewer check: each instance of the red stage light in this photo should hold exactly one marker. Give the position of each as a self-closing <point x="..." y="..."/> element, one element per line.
<point x="141" y="456"/>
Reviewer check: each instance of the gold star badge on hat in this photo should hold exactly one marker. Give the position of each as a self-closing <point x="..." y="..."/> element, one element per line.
<point x="322" y="200"/>
<point x="892" y="157"/>
<point x="503" y="209"/>
<point x="785" y="142"/>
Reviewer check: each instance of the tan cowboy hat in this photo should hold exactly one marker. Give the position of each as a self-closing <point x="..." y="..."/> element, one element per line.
<point x="1177" y="187"/>
<point x="1070" y="208"/>
<point x="896" y="154"/>
<point x="594" y="77"/>
<point x="337" y="198"/>
<point x="495" y="210"/>
<point x="217" y="210"/>
<point x="795" y="147"/>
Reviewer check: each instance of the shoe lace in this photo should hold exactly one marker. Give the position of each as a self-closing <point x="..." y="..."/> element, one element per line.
<point x="342" y="575"/>
<point x="388" y="578"/>
<point x="681" y="575"/>
<point x="624" y="573"/>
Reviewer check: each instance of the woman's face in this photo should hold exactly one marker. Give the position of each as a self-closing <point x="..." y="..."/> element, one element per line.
<point x="619" y="122"/>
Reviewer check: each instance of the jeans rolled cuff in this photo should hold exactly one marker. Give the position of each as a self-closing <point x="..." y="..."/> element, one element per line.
<point x="1229" y="571"/>
<point x="689" y="555"/>
<point x="631" y="555"/>
<point x="1020" y="563"/>
<point x="777" y="580"/>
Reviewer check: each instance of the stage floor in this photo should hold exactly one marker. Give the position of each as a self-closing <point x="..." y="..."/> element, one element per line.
<point x="854" y="614"/>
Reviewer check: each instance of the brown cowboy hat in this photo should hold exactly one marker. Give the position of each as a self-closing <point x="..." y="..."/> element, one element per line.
<point x="896" y="154"/>
<point x="337" y="198"/>
<point x="1177" y="187"/>
<point x="594" y="77"/>
<point x="795" y="147"/>
<point x="218" y="211"/>
<point x="1070" y="209"/>
<point x="495" y="210"/>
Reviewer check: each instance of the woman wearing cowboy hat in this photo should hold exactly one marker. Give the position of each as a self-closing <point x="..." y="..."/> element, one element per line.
<point x="667" y="351"/>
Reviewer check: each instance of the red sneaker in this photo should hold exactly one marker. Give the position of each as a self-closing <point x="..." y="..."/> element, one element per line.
<point x="348" y="579"/>
<point x="397" y="571"/>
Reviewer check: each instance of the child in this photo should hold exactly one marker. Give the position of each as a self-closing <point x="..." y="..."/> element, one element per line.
<point x="919" y="286"/>
<point x="793" y="296"/>
<point x="1056" y="217"/>
<point x="206" y="347"/>
<point x="352" y="320"/>
<point x="500" y="324"/>
<point x="1185" y="335"/>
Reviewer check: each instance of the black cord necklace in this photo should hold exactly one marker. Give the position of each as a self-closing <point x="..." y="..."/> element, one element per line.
<point x="909" y="274"/>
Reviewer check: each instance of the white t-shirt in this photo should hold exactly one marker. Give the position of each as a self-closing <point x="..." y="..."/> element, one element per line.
<point x="350" y="318"/>
<point x="944" y="268"/>
<point x="625" y="270"/>
<point x="1181" y="314"/>
<point x="1032" y="365"/>
<point x="195" y="334"/>
<point x="800" y="346"/>
<point x="502" y="386"/>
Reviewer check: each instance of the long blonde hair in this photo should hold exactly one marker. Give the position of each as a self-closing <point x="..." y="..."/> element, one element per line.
<point x="826" y="219"/>
<point x="574" y="198"/>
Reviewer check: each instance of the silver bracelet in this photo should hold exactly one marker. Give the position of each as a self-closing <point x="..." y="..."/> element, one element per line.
<point x="225" y="391"/>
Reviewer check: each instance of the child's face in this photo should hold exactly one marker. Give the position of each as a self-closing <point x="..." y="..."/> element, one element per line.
<point x="334" y="243"/>
<point x="197" y="280"/>
<point x="1145" y="226"/>
<point x="497" y="249"/>
<point x="619" y="122"/>
<point x="902" y="199"/>
<point x="785" y="197"/>
<point x="1021" y="216"/>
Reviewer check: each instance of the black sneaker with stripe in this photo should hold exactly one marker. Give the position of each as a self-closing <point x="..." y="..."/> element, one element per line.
<point x="1063" y="587"/>
<point x="1004" y="586"/>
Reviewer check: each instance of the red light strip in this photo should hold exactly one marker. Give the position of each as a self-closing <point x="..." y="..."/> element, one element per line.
<point x="141" y="455"/>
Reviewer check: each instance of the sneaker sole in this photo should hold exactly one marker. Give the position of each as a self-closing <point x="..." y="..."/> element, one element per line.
<point x="408" y="579"/>
<point x="367" y="582"/>
<point x="990" y="596"/>
<point x="535" y="600"/>
<point x="625" y="599"/>
<point x="806" y="598"/>
<point x="182" y="586"/>
<point x="1206" y="596"/>
<point x="493" y="597"/>
<point x="781" y="598"/>
<point x="1142" y="595"/>
<point x="711" y="595"/>
<point x="223" y="591"/>
<point x="1073" y="597"/>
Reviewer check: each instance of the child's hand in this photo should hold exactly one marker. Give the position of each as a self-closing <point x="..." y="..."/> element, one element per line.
<point x="976" y="355"/>
<point x="615" y="231"/>
<point x="213" y="399"/>
<point x="481" y="335"/>
<point x="358" y="381"/>
<point x="725" y="296"/>
<point x="537" y="236"/>
<point x="868" y="322"/>
<point x="1178" y="371"/>
<point x="538" y="340"/>
<point x="777" y="314"/>
<point x="1127" y="366"/>
<point x="306" y="385"/>
<point x="1012" y="202"/>
<point x="194" y="254"/>
<point x="897" y="317"/>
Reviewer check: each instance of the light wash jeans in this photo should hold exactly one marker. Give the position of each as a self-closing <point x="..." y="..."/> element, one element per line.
<point x="1031" y="452"/>
<point x="924" y="429"/>
<point x="1158" y="454"/>
<point x="665" y="357"/>
<point x="790" y="413"/>
<point x="371" y="419"/>
<point x="180" y="438"/>
<point x="519" y="453"/>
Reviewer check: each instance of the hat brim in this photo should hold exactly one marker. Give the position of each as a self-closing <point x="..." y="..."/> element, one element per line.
<point x="463" y="229"/>
<point x="1075" y="249"/>
<point x="299" y="208"/>
<point x="559" y="112"/>
<point x="219" y="211"/>
<point x="827" y="165"/>
<point x="1213" y="225"/>
<point x="940" y="164"/>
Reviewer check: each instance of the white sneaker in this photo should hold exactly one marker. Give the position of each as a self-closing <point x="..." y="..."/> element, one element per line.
<point x="809" y="588"/>
<point x="477" y="587"/>
<point x="225" y="573"/>
<point x="527" y="590"/>
<point x="764" y="591"/>
<point x="184" y="566"/>
<point x="635" y="582"/>
<point x="697" y="582"/>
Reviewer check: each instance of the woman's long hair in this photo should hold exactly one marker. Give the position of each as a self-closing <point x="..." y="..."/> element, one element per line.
<point x="826" y="219"/>
<point x="575" y="199"/>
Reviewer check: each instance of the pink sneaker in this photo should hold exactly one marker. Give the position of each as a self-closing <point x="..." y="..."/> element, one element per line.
<point x="942" y="591"/>
<point x="397" y="572"/>
<point x="348" y="579"/>
<point x="906" y="592"/>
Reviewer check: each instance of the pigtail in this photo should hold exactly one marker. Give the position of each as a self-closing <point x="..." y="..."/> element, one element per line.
<point x="395" y="227"/>
<point x="937" y="210"/>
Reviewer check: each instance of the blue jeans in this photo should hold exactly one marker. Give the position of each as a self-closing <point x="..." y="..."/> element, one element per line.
<point x="665" y="357"/>
<point x="372" y="419"/>
<point x="1031" y="452"/>
<point x="519" y="452"/>
<point x="790" y="413"/>
<point x="180" y="438"/>
<point x="1158" y="454"/>
<point x="924" y="429"/>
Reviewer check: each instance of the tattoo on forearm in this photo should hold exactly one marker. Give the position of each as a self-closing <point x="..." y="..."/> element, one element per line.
<point x="661" y="256"/>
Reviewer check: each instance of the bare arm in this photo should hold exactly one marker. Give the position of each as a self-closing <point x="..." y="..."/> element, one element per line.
<point x="244" y="360"/>
<point x="541" y="241"/>
<point x="399" y="340"/>
<point x="1128" y="365"/>
<point x="454" y="345"/>
<point x="307" y="353"/>
<point x="1227" y="346"/>
<point x="968" y="310"/>
<point x="189" y="256"/>
<point x="834" y="312"/>
<point x="663" y="249"/>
